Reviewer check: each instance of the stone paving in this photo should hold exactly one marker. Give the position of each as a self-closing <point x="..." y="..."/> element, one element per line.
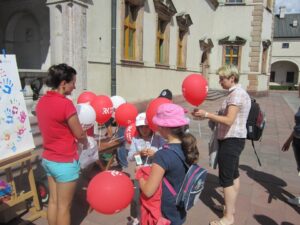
<point x="264" y="190"/>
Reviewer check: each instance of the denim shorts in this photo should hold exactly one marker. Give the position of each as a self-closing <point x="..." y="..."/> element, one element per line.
<point x="62" y="172"/>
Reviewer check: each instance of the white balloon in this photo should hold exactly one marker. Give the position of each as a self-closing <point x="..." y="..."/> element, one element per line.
<point x="86" y="115"/>
<point x="117" y="101"/>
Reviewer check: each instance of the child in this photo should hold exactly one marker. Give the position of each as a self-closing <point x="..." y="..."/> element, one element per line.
<point x="146" y="143"/>
<point x="171" y="121"/>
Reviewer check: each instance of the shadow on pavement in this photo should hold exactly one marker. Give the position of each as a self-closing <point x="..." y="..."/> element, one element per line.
<point x="273" y="185"/>
<point x="263" y="220"/>
<point x="210" y="196"/>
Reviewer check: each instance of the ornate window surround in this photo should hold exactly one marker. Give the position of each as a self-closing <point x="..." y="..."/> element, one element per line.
<point x="184" y="21"/>
<point x="237" y="42"/>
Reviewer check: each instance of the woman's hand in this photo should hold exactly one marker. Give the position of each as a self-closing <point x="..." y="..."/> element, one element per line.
<point x="199" y="113"/>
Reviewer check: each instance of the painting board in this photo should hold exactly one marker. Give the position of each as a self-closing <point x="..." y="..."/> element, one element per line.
<point x="15" y="132"/>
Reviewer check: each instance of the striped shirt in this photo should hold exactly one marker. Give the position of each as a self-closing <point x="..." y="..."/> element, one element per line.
<point x="240" y="98"/>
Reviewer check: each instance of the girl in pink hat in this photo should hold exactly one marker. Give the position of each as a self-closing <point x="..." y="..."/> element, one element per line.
<point x="172" y="123"/>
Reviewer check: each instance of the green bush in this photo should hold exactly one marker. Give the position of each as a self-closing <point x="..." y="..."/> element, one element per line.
<point x="282" y="87"/>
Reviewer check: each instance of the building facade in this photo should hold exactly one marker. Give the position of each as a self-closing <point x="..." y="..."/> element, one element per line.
<point x="286" y="49"/>
<point x="136" y="48"/>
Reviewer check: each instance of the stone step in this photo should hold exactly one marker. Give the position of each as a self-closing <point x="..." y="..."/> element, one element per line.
<point x="215" y="94"/>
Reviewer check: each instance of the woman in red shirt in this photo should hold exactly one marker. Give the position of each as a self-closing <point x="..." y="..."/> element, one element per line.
<point x="61" y="130"/>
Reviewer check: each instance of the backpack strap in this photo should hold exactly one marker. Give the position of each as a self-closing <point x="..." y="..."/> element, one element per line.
<point x="167" y="183"/>
<point x="169" y="186"/>
<point x="184" y="162"/>
<point x="255" y="152"/>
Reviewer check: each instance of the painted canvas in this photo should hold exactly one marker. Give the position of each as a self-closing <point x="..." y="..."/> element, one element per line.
<point x="15" y="132"/>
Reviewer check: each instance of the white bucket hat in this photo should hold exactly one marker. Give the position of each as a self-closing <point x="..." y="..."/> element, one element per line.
<point x="141" y="120"/>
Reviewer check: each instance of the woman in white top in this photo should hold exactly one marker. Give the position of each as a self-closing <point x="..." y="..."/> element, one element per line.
<point x="146" y="143"/>
<point x="231" y="121"/>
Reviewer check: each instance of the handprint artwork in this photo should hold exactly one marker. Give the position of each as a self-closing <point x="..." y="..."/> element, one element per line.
<point x="15" y="135"/>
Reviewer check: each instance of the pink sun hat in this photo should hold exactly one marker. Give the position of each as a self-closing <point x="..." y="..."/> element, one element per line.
<point x="170" y="115"/>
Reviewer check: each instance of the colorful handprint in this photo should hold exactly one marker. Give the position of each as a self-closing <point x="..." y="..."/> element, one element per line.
<point x="8" y="116"/>
<point x="22" y="117"/>
<point x="6" y="85"/>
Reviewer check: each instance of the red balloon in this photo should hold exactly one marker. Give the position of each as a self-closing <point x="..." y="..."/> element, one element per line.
<point x="126" y="114"/>
<point x="194" y="89"/>
<point x="86" y="97"/>
<point x="130" y="132"/>
<point x="103" y="107"/>
<point x="110" y="192"/>
<point x="152" y="108"/>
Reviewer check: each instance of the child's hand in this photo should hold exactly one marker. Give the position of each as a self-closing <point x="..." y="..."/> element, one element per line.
<point x="150" y="152"/>
<point x="144" y="152"/>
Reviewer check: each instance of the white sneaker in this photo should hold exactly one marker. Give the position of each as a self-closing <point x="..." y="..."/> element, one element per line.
<point x="135" y="221"/>
<point x="294" y="201"/>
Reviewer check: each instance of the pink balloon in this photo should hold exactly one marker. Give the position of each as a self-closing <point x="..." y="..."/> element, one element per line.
<point x="86" y="97"/>
<point x="194" y="89"/>
<point x="126" y="114"/>
<point x="110" y="192"/>
<point x="151" y="110"/>
<point x="130" y="132"/>
<point x="103" y="107"/>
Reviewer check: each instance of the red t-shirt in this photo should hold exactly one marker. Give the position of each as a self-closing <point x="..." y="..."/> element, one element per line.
<point x="53" y="110"/>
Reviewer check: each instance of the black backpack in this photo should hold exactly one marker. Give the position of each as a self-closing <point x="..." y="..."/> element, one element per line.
<point x="255" y="124"/>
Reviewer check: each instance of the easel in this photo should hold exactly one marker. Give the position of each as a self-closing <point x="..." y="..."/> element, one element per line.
<point x="24" y="161"/>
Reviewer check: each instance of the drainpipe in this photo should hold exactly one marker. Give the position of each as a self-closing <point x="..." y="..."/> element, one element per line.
<point x="113" y="46"/>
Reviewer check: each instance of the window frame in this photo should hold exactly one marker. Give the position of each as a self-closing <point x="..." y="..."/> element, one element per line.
<point x="165" y="11"/>
<point x="272" y="76"/>
<point x="289" y="75"/>
<point x="181" y="49"/>
<point x="285" y="45"/>
<point x="130" y="26"/>
<point x="132" y="49"/>
<point x="161" y="41"/>
<point x="235" y="2"/>
<point x="237" y="56"/>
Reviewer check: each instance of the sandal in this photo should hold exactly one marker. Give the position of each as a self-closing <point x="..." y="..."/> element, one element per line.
<point x="220" y="208"/>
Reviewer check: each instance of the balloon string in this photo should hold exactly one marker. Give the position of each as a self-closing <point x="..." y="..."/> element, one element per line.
<point x="99" y="134"/>
<point x="199" y="129"/>
<point x="150" y="147"/>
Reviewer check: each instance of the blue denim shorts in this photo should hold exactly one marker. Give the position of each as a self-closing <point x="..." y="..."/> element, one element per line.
<point x="62" y="172"/>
